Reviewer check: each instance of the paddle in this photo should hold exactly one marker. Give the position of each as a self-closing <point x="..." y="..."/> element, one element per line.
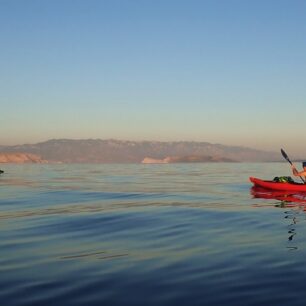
<point x="289" y="161"/>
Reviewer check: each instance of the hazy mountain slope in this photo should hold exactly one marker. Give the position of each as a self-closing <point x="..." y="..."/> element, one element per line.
<point x="20" y="158"/>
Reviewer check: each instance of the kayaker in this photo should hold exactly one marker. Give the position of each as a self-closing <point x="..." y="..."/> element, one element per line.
<point x="299" y="173"/>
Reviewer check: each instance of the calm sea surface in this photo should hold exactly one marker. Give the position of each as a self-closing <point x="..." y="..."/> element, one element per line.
<point x="177" y="234"/>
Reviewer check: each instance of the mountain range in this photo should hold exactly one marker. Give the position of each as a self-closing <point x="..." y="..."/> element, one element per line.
<point x="122" y="151"/>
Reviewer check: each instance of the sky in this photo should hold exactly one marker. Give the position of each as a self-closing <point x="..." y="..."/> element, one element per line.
<point x="222" y="71"/>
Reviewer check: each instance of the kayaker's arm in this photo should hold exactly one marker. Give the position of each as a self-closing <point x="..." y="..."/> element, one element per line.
<point x="294" y="171"/>
<point x="297" y="173"/>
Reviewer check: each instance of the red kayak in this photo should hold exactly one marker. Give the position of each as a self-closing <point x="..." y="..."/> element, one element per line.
<point x="296" y="187"/>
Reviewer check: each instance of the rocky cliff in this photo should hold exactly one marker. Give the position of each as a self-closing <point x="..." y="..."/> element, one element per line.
<point x="20" y="158"/>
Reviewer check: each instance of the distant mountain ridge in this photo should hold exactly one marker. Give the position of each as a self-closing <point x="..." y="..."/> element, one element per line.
<point x="124" y="151"/>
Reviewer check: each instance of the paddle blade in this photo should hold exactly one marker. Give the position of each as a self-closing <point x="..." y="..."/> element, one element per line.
<point x="286" y="156"/>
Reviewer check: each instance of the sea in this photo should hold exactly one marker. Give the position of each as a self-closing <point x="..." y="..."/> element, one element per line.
<point x="149" y="234"/>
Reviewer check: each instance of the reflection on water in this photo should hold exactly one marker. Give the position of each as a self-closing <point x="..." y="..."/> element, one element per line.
<point x="286" y="198"/>
<point x="149" y="235"/>
<point x="294" y="204"/>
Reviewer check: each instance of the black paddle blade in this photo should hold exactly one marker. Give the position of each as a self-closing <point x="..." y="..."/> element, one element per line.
<point x="286" y="156"/>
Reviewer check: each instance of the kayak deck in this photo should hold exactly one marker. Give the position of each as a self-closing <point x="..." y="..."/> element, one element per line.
<point x="298" y="187"/>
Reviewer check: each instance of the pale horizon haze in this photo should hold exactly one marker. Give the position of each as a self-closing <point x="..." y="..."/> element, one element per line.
<point x="227" y="71"/>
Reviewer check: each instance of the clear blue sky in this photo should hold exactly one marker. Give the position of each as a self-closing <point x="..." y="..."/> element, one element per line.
<point x="223" y="71"/>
